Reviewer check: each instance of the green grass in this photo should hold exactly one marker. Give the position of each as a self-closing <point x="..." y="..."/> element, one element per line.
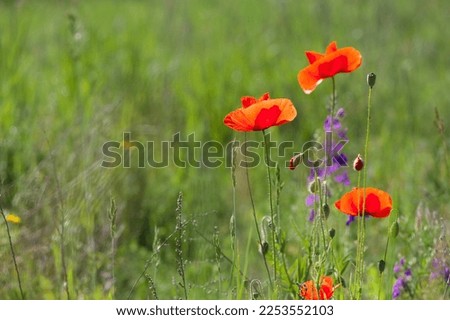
<point x="75" y="74"/>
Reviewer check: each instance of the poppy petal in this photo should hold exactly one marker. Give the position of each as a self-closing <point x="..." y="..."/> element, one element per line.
<point x="309" y="78"/>
<point x="260" y="115"/>
<point x="313" y="56"/>
<point x="326" y="288"/>
<point x="354" y="58"/>
<point x="327" y="65"/>
<point x="384" y="201"/>
<point x="247" y="101"/>
<point x="267" y="118"/>
<point x="237" y="120"/>
<point x="332" y="65"/>
<point x="372" y="204"/>
<point x="378" y="203"/>
<point x="332" y="47"/>
<point x="308" y="290"/>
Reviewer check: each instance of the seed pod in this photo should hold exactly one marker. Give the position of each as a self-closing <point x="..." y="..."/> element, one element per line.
<point x="332" y="233"/>
<point x="371" y="78"/>
<point x="358" y="163"/>
<point x="381" y="265"/>
<point x="394" y="230"/>
<point x="295" y="161"/>
<point x="326" y="210"/>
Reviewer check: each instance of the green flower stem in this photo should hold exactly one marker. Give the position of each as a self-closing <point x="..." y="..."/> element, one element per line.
<point x="233" y="216"/>
<point x="13" y="254"/>
<point x="272" y="218"/>
<point x="333" y="104"/>
<point x="256" y="222"/>
<point x="362" y="224"/>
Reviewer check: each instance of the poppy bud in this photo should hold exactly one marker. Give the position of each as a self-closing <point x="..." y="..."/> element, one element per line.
<point x="381" y="265"/>
<point x="371" y="78"/>
<point x="326" y="210"/>
<point x="332" y="233"/>
<point x="394" y="229"/>
<point x="295" y="161"/>
<point x="358" y="163"/>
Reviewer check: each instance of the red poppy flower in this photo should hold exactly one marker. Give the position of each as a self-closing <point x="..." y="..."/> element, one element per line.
<point x="259" y="114"/>
<point x="378" y="203"/>
<point x="308" y="289"/>
<point x="327" y="65"/>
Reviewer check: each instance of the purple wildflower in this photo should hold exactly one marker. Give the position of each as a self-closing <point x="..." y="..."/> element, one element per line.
<point x="404" y="276"/>
<point x="311" y="199"/>
<point x="397" y="288"/>
<point x="350" y="220"/>
<point x="342" y="178"/>
<point x="340" y="113"/>
<point x="440" y="269"/>
<point x="399" y="265"/>
<point x="408" y="273"/>
<point x="327" y="124"/>
<point x="312" y="215"/>
<point x="335" y="168"/>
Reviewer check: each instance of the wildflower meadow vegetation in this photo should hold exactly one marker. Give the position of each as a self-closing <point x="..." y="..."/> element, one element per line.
<point x="202" y="149"/>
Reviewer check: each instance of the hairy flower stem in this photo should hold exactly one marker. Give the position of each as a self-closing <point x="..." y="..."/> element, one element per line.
<point x="112" y="214"/>
<point x="333" y="104"/>
<point x="327" y="151"/>
<point x="179" y="244"/>
<point x="233" y="216"/>
<point x="261" y="246"/>
<point x="13" y="254"/>
<point x="272" y="215"/>
<point x="362" y="223"/>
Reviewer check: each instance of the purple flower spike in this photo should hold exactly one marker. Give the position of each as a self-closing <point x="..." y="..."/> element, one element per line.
<point x="340" y="113"/>
<point x="312" y="215"/>
<point x="350" y="220"/>
<point x="334" y="163"/>
<point x="311" y="199"/>
<point x="440" y="269"/>
<point x="342" y="134"/>
<point x="403" y="278"/>
<point x="397" y="288"/>
<point x="342" y="178"/>
<point x="327" y="124"/>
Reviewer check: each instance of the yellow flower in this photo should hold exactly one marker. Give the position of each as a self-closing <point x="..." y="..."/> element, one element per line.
<point x="13" y="218"/>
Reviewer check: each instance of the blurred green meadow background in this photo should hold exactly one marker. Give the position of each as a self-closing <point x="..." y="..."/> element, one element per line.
<point x="77" y="74"/>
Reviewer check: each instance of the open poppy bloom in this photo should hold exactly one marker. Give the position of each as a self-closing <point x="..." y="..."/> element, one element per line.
<point x="308" y="289"/>
<point x="259" y="114"/>
<point x="378" y="203"/>
<point x="327" y="65"/>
